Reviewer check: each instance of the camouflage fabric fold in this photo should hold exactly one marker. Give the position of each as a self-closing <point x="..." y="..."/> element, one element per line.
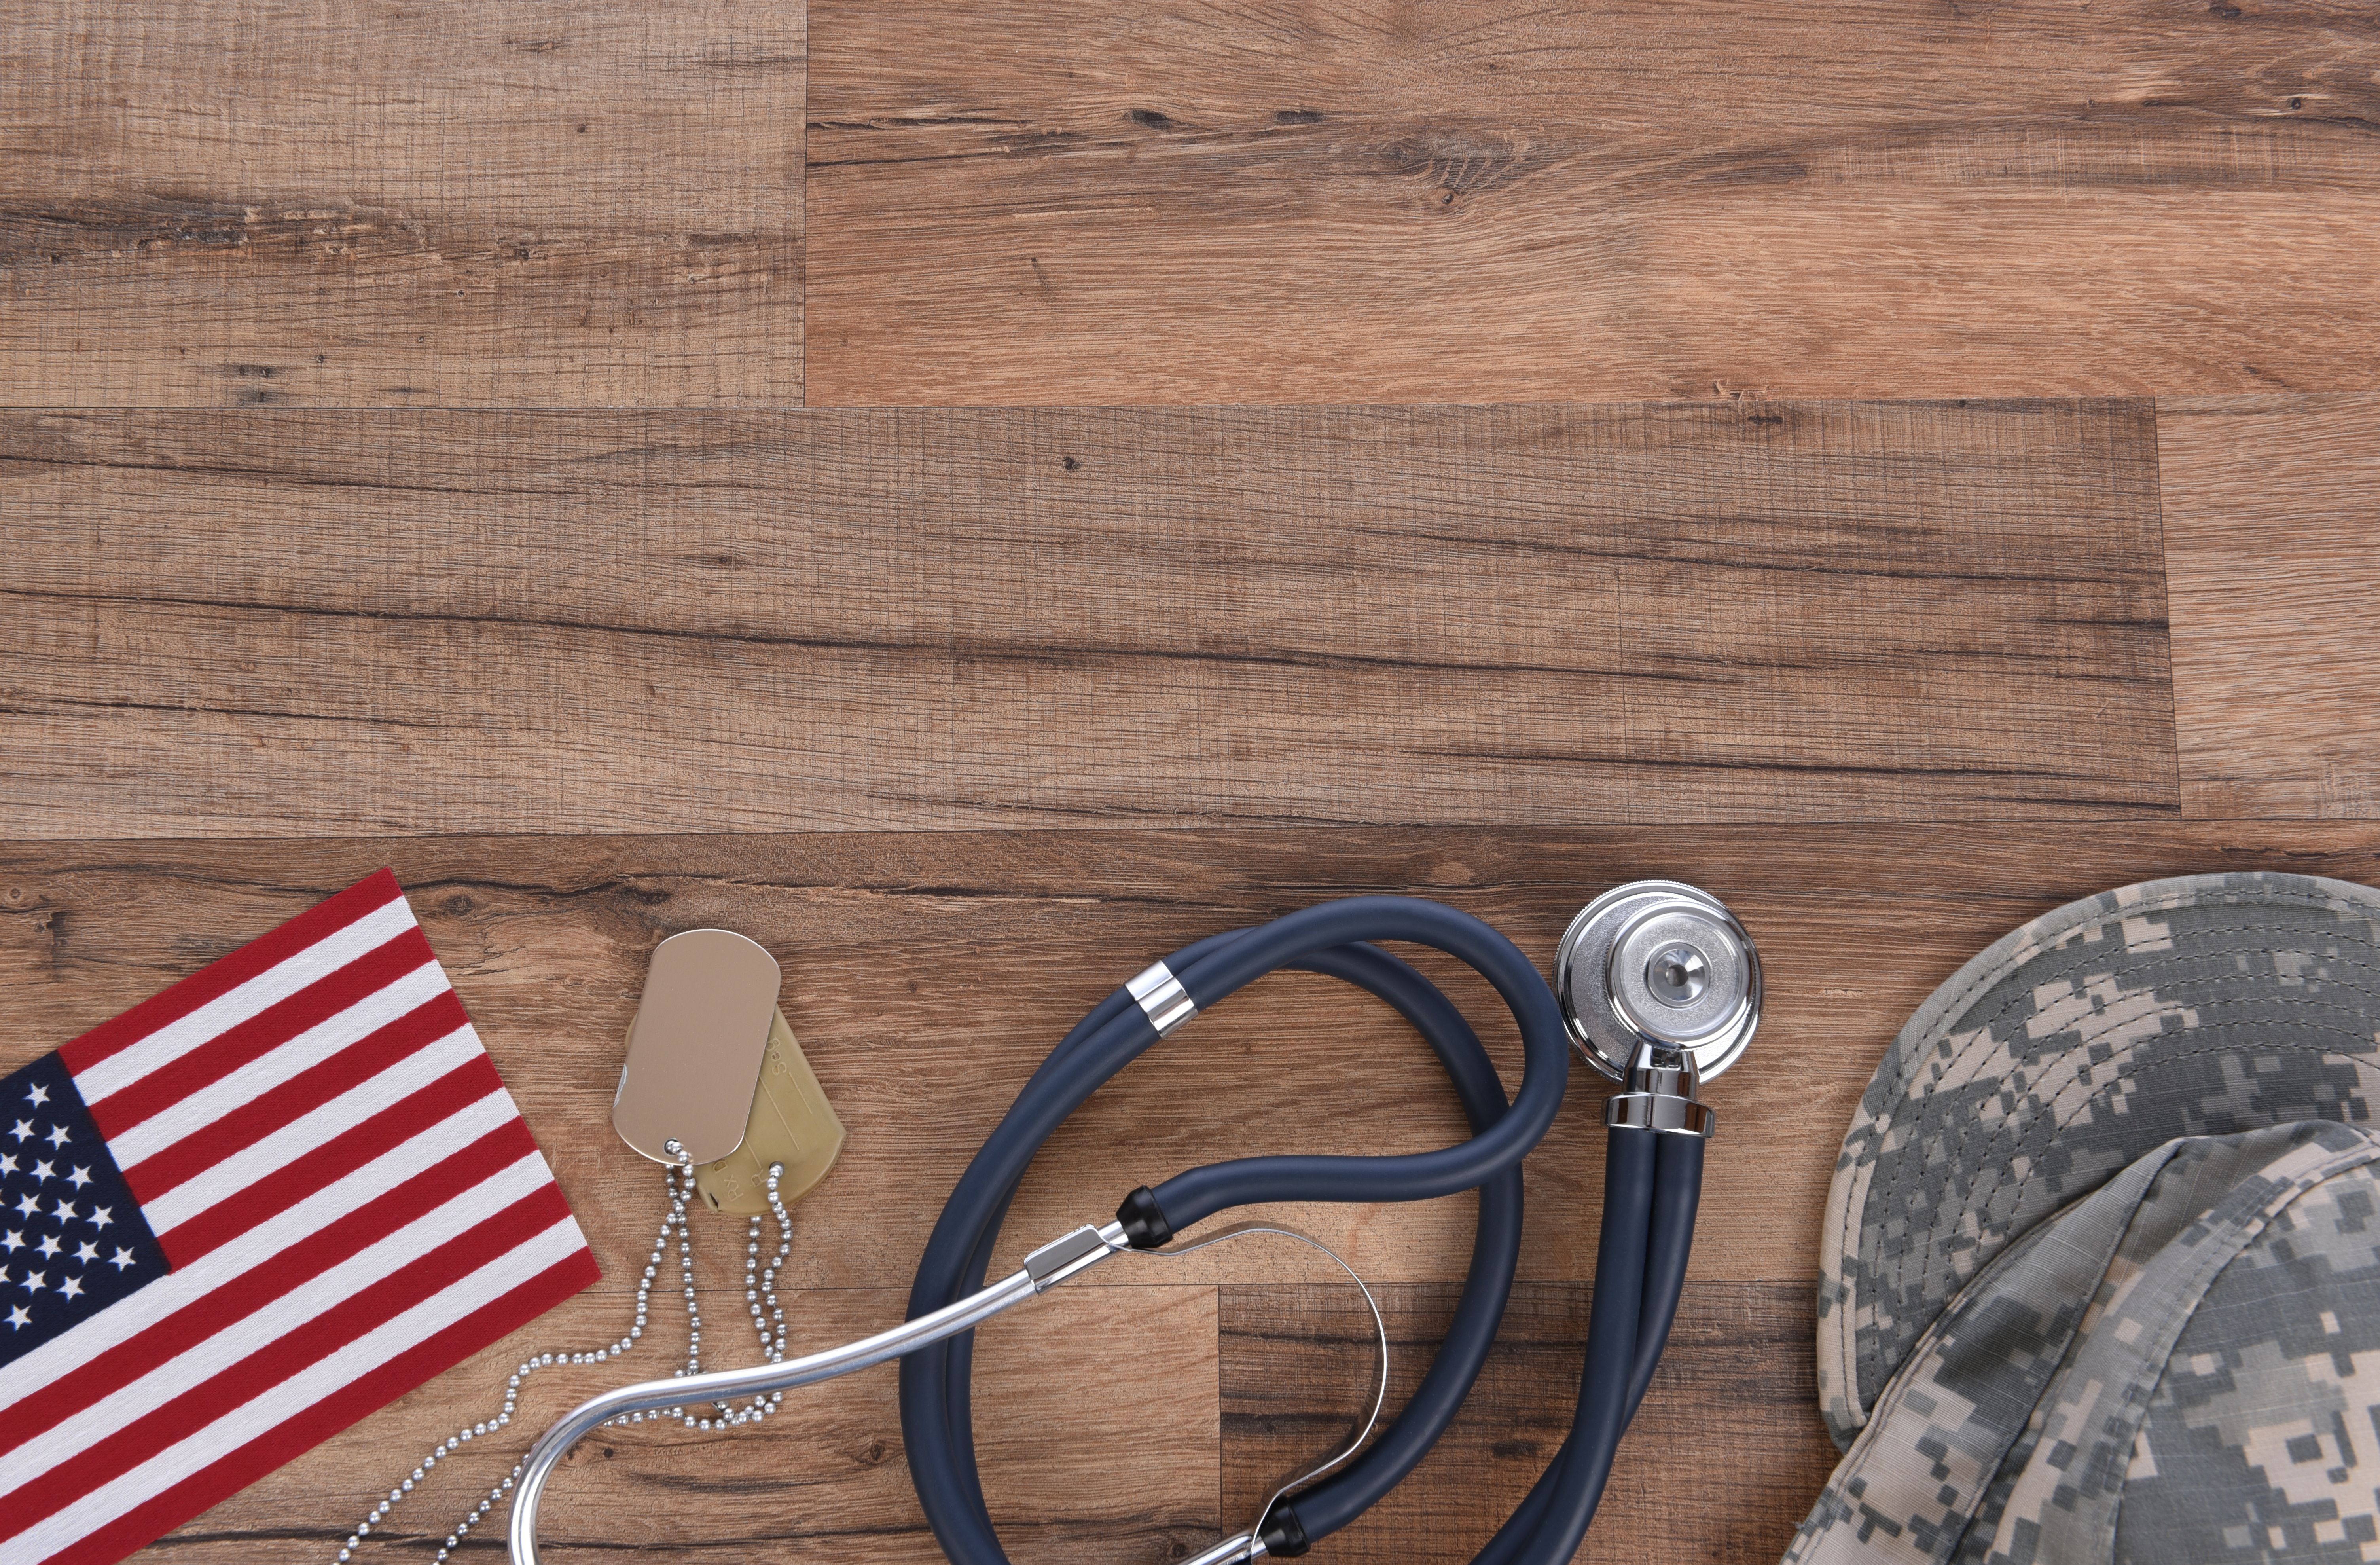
<point x="2205" y="1006"/>
<point x="2126" y="1379"/>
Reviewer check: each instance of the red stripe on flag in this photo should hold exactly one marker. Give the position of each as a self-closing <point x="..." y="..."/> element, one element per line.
<point x="251" y="1291"/>
<point x="152" y="1520"/>
<point x="238" y="1384"/>
<point x="222" y="976"/>
<point x="261" y="1033"/>
<point x="283" y="1188"/>
<point x="299" y="1095"/>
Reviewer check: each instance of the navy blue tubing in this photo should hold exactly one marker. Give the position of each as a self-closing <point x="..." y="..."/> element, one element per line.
<point x="1651" y="1192"/>
<point x="1677" y="1192"/>
<point x="1495" y="1253"/>
<point x="1347" y="1494"/>
<point x="1658" y="1178"/>
<point x="1191" y="1197"/>
<point x="935" y="1401"/>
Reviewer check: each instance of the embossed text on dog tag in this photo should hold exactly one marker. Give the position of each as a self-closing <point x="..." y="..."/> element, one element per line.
<point x="696" y="1047"/>
<point x="792" y="1126"/>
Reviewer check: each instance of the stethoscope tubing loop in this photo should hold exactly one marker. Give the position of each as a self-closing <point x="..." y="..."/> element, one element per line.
<point x="935" y="1397"/>
<point x="1198" y="1193"/>
<point x="1652" y="1184"/>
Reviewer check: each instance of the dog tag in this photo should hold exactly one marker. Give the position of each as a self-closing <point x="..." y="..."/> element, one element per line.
<point x="792" y="1124"/>
<point x="695" y="1048"/>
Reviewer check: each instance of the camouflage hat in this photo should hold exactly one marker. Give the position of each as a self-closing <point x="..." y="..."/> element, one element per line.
<point x="2203" y="1006"/>
<point x="2071" y="1052"/>
<point x="2166" y="1370"/>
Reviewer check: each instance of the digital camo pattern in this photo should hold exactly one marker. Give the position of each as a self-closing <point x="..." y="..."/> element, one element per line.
<point x="2165" y="1372"/>
<point x="2204" y="1006"/>
<point x="2260" y="1442"/>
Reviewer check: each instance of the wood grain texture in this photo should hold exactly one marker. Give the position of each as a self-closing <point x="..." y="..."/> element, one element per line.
<point x="242" y="202"/>
<point x="928" y="973"/>
<point x="1026" y="202"/>
<point x="2272" y="523"/>
<point x="293" y="622"/>
<point x="825" y="1480"/>
<point x="1721" y="1464"/>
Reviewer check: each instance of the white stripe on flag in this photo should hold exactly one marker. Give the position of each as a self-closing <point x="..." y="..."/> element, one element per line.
<point x="228" y="1011"/>
<point x="274" y="1321"/>
<point x="317" y="1127"/>
<point x="280" y="1404"/>
<point x="113" y="1326"/>
<point x="204" y="1107"/>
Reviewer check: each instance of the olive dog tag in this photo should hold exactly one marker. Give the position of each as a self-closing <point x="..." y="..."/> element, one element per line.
<point x="695" y="1048"/>
<point x="792" y="1125"/>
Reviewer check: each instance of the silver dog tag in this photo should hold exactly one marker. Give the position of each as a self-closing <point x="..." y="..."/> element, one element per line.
<point x="696" y="1047"/>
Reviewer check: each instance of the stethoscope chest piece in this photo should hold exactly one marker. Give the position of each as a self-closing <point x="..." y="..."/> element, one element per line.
<point x="1662" y="963"/>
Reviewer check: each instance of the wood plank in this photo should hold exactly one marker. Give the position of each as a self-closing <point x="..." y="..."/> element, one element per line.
<point x="289" y="622"/>
<point x="824" y="1480"/>
<point x="1023" y="202"/>
<point x="2273" y="558"/>
<point x="928" y="974"/>
<point x="1722" y="1463"/>
<point x="217" y="203"/>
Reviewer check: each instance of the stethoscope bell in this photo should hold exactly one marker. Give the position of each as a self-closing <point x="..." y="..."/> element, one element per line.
<point x="1662" y="963"/>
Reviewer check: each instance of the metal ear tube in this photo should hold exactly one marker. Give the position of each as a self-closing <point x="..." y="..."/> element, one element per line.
<point x="1044" y="1268"/>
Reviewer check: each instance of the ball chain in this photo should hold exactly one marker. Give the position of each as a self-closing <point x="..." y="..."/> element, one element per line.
<point x="759" y="1293"/>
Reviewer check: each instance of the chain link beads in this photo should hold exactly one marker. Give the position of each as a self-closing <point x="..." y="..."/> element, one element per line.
<point x="760" y="1292"/>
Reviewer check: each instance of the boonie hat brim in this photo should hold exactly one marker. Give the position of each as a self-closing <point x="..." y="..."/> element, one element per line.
<point x="2204" y="1006"/>
<point x="2184" y="1365"/>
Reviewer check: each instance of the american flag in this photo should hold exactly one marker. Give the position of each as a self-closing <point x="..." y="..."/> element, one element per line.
<point x="245" y="1214"/>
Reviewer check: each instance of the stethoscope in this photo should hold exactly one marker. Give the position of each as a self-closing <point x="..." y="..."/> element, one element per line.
<point x="1656" y="984"/>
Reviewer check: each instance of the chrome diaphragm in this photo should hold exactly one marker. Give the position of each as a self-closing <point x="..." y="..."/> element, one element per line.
<point x="1662" y="963"/>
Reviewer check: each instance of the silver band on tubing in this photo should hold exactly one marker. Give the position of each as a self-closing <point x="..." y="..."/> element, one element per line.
<point x="1162" y="996"/>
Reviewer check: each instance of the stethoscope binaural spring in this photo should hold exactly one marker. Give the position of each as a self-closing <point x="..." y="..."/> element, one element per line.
<point x="1659" y="988"/>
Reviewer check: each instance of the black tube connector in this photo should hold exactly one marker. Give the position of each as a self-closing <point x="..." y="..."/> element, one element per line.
<point x="1144" y="1222"/>
<point x="1283" y="1538"/>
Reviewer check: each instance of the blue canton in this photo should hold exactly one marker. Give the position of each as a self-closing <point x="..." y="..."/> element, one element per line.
<point x="72" y="1240"/>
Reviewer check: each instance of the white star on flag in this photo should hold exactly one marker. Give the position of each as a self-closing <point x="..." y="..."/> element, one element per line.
<point x="316" y="1194"/>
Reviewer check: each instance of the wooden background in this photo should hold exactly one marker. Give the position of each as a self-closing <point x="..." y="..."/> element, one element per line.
<point x="472" y="439"/>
